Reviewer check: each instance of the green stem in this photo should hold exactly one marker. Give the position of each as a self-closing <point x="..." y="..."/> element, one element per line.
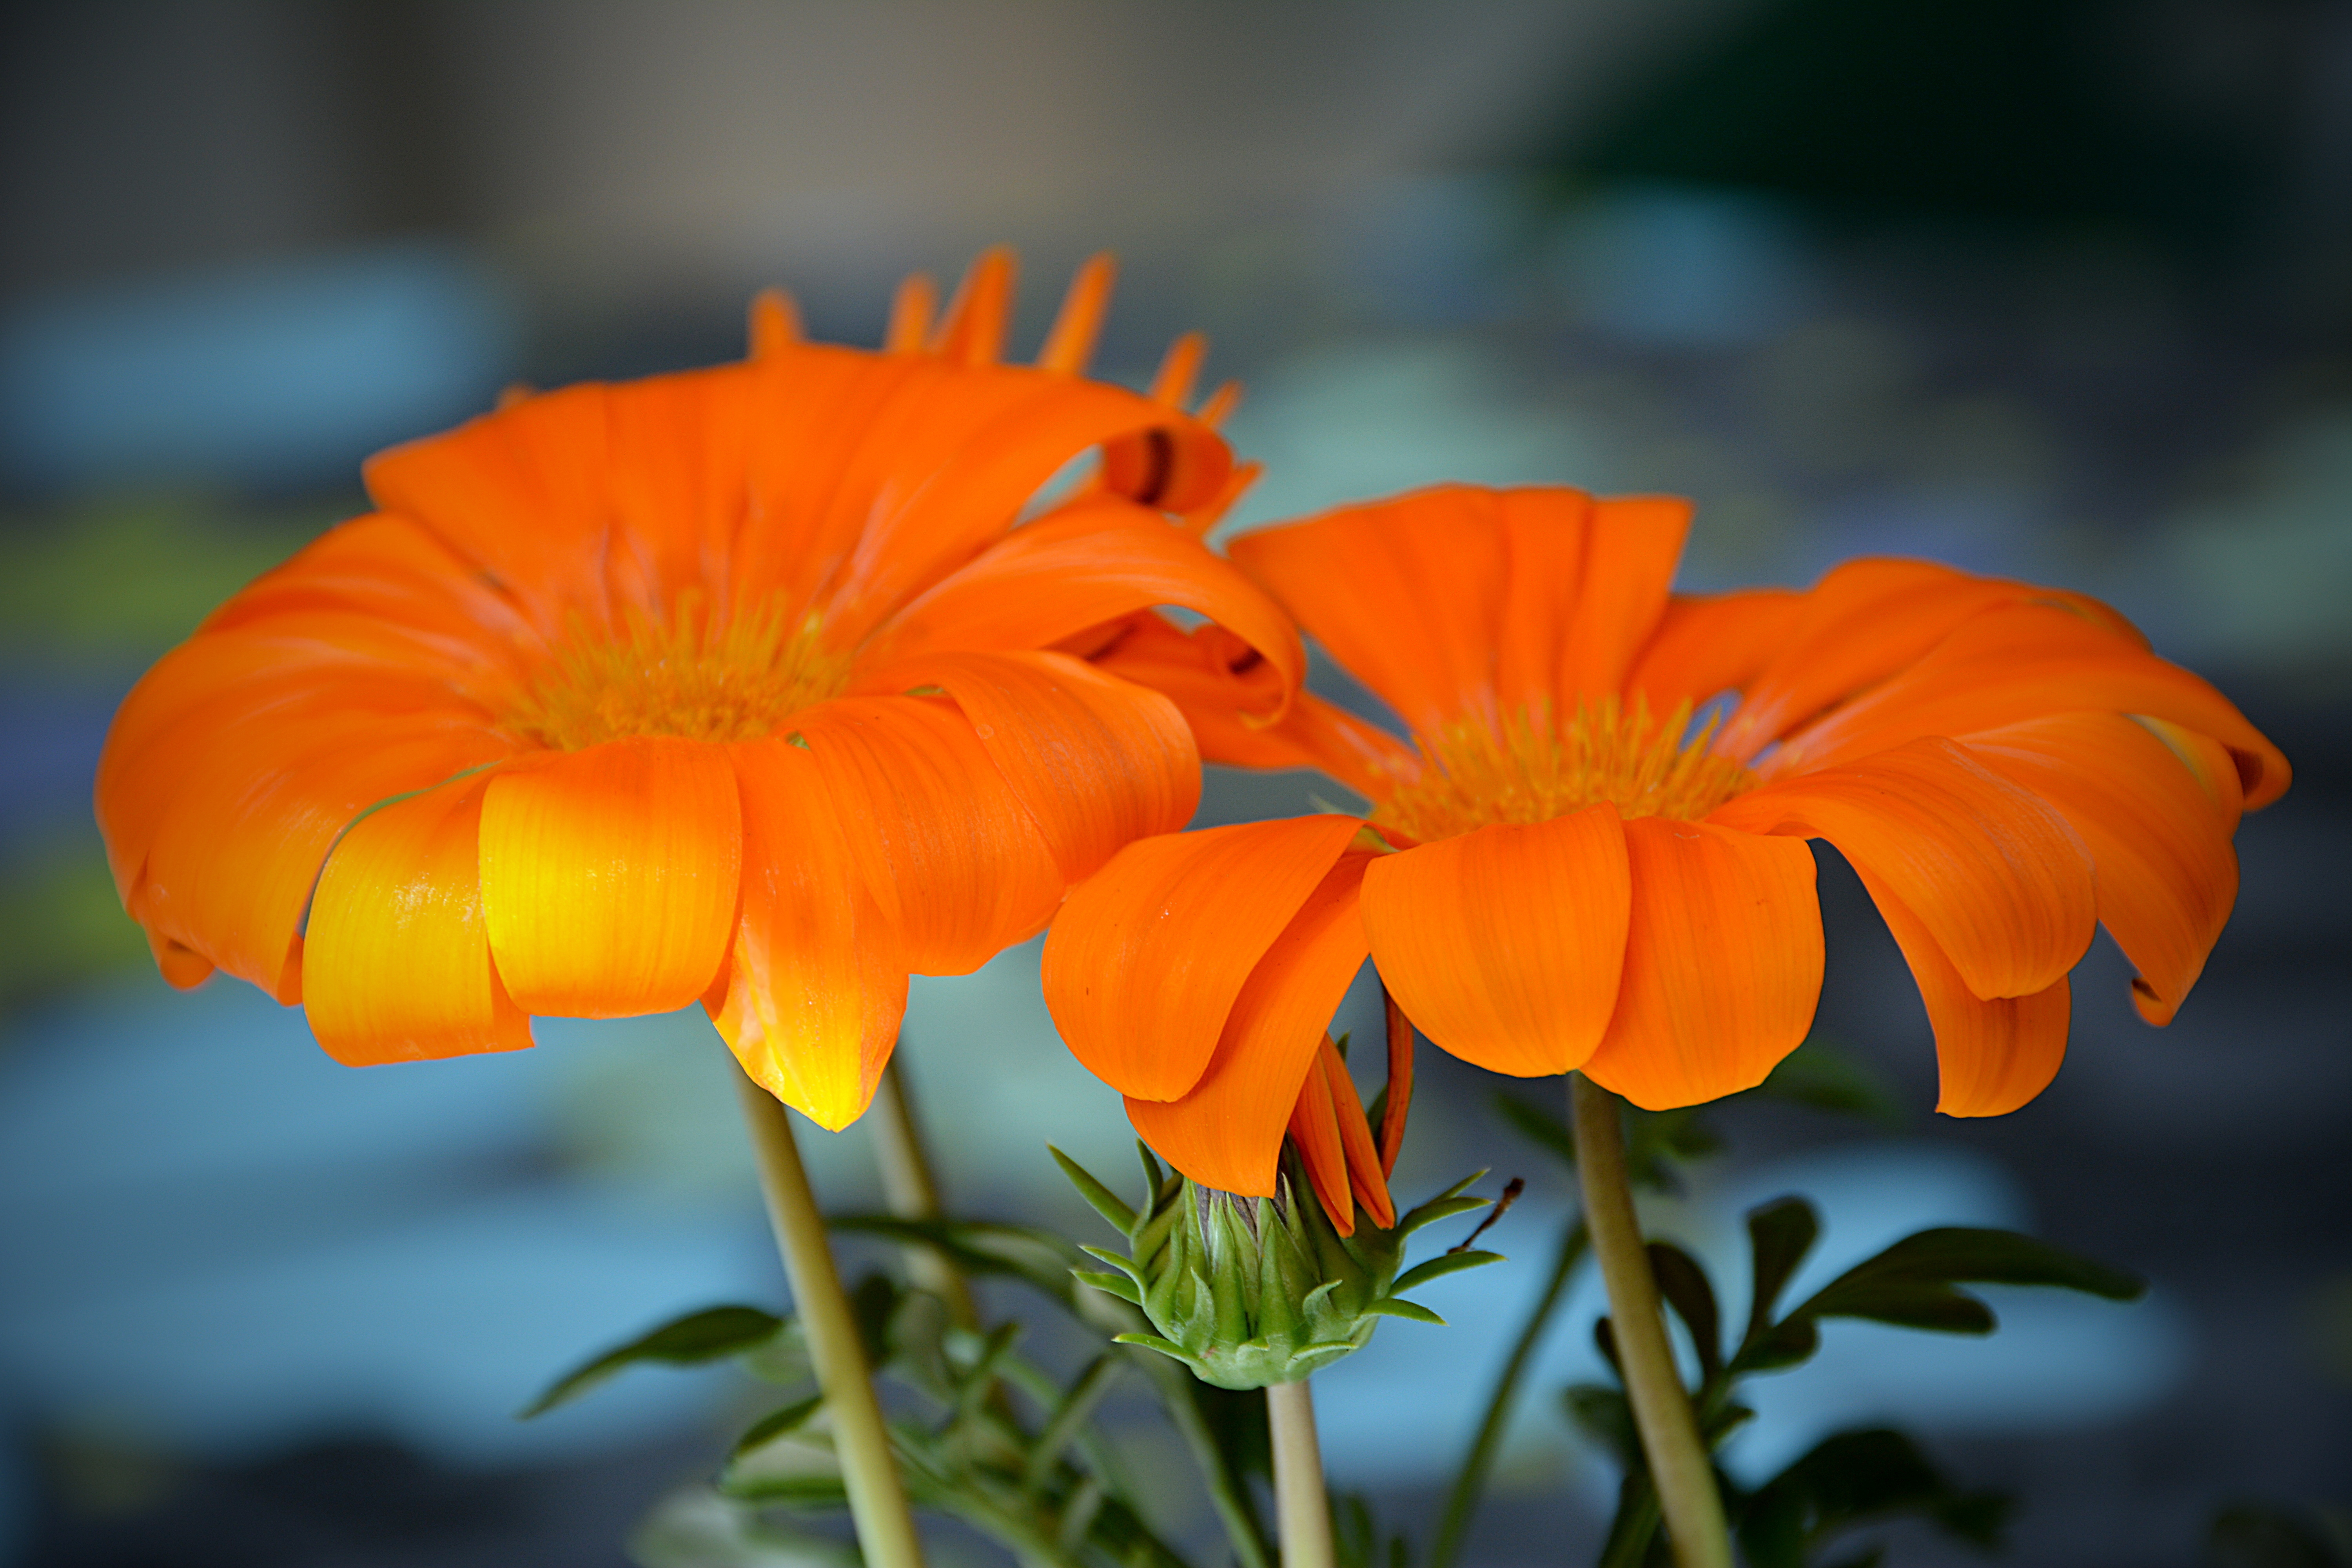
<point x="1688" y="1499"/>
<point x="1300" y="1503"/>
<point x="877" y="1497"/>
<point x="911" y="1188"/>
<point x="1179" y="1396"/>
<point x="1471" y="1482"/>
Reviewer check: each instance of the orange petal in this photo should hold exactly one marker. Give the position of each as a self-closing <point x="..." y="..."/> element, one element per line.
<point x="182" y="966"/>
<point x="1545" y="535"/>
<point x="1226" y="1130"/>
<point x="1994" y="872"/>
<point x="973" y="330"/>
<point x="1632" y="545"/>
<point x="2159" y="851"/>
<point x="2208" y="762"/>
<point x="609" y="876"/>
<point x="813" y="991"/>
<point x="1708" y="644"/>
<point x="1505" y="945"/>
<point x="1862" y="623"/>
<point x="1993" y="1056"/>
<point x="1315" y="1131"/>
<point x="1097" y="762"/>
<point x="1407" y="595"/>
<point x="1080" y="567"/>
<point x="1218" y="681"/>
<point x="1144" y="962"/>
<point x="953" y="855"/>
<point x="2026" y="661"/>
<point x="397" y="965"/>
<point x="1071" y="340"/>
<point x="1723" y="964"/>
<point x="1334" y="1144"/>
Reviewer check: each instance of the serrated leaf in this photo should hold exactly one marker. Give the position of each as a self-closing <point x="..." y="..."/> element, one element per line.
<point x="1968" y="1255"/>
<point x="1910" y="1304"/>
<point x="1852" y="1477"/>
<point x="1785" y="1344"/>
<point x="777" y="1424"/>
<point x="1780" y="1235"/>
<point x="1101" y="1198"/>
<point x="712" y="1335"/>
<point x="1411" y="1311"/>
<point x="1684" y="1286"/>
<point x="1439" y="1267"/>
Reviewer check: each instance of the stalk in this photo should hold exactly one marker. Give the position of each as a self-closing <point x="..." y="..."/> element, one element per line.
<point x="1687" y="1500"/>
<point x="878" y="1498"/>
<point x="910" y="1186"/>
<point x="1300" y="1504"/>
<point x="1471" y="1482"/>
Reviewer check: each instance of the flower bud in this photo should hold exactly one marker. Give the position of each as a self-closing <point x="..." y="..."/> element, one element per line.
<point x="1249" y="1290"/>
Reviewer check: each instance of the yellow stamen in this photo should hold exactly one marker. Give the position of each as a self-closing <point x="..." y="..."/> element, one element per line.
<point x="693" y="673"/>
<point x="1533" y="770"/>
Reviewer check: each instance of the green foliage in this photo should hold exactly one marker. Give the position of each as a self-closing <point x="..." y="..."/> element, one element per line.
<point x="1357" y="1541"/>
<point x="2266" y="1535"/>
<point x="715" y="1333"/>
<point x="1852" y="1477"/>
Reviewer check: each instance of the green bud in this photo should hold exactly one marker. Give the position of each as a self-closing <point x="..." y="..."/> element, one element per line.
<point x="1249" y="1291"/>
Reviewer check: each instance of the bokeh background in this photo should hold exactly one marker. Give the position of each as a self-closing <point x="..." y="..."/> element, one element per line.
<point x="2056" y="289"/>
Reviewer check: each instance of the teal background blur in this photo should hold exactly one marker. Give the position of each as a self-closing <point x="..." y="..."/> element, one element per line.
<point x="2058" y="289"/>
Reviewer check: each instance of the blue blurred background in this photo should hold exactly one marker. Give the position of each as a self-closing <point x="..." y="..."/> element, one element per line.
<point x="2051" y="287"/>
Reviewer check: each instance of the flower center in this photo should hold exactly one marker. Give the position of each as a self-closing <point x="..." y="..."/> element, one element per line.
<point x="691" y="674"/>
<point x="1533" y="770"/>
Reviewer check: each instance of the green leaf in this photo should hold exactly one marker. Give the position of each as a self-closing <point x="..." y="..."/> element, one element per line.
<point x="1411" y="1311"/>
<point x="777" y="1424"/>
<point x="1034" y="1256"/>
<point x="1603" y="1414"/>
<point x="1684" y="1286"/>
<point x="1912" y="1282"/>
<point x="712" y="1334"/>
<point x="1101" y="1198"/>
<point x="1854" y="1477"/>
<point x="1442" y="1265"/>
<point x="1546" y="1130"/>
<point x="1780" y="1235"/>
<point x="2258" y="1535"/>
<point x="1821" y="1077"/>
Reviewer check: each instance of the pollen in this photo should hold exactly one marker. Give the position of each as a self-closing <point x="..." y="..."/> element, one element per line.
<point x="1532" y="769"/>
<point x="691" y="673"/>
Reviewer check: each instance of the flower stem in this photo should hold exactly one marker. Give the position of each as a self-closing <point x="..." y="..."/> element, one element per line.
<point x="911" y="1187"/>
<point x="877" y="1500"/>
<point x="1688" y="1499"/>
<point x="1300" y="1503"/>
<point x="1462" y="1501"/>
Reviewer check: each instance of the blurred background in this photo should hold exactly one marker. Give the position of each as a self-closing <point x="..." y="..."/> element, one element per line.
<point x="2056" y="288"/>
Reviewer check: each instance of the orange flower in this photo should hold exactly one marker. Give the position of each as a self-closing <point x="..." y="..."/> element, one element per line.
<point x="738" y="685"/>
<point x="1566" y="873"/>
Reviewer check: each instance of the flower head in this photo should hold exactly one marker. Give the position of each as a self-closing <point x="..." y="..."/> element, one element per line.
<point x="1592" y="857"/>
<point x="740" y="685"/>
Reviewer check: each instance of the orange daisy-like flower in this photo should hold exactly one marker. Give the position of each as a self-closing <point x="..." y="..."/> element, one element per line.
<point x="1566" y="872"/>
<point x="740" y="685"/>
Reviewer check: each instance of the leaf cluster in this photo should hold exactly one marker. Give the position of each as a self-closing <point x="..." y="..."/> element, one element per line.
<point x="1852" y="1477"/>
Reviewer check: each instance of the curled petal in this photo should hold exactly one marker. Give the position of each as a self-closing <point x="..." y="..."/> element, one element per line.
<point x="396" y="964"/>
<point x="1708" y="644"/>
<point x="1991" y="869"/>
<point x="1226" y="1130"/>
<point x="1406" y="594"/>
<point x="953" y="858"/>
<point x="1090" y="563"/>
<point x="1723" y="964"/>
<point x="2160" y="852"/>
<point x="1505" y="945"/>
<point x="609" y="876"/>
<point x="1334" y="1144"/>
<point x="1096" y="762"/>
<point x="1144" y="964"/>
<point x="1994" y="1055"/>
<point x="812" y="991"/>
<point x="1216" y="681"/>
<point x="2027" y="661"/>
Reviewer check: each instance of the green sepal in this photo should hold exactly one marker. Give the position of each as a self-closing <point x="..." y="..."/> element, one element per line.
<point x="1118" y="1285"/>
<point x="1396" y="1307"/>
<point x="1101" y="1198"/>
<point x="1445" y="1263"/>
